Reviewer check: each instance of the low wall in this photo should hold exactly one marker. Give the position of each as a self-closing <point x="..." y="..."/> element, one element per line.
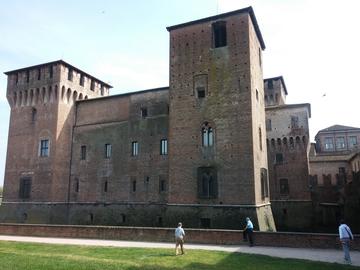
<point x="200" y="236"/>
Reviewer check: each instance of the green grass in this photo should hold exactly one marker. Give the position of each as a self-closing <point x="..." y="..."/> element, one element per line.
<point x="26" y="256"/>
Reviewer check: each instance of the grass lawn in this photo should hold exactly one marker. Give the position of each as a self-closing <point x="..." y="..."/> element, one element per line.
<point x="27" y="256"/>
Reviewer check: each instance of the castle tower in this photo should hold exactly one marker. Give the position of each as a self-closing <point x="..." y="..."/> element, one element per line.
<point x="42" y="99"/>
<point x="217" y="142"/>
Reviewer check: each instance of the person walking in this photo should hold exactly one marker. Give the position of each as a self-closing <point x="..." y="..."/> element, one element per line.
<point x="345" y="236"/>
<point x="248" y="232"/>
<point x="179" y="238"/>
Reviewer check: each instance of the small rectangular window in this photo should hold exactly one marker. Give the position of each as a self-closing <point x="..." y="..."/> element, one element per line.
<point x="133" y="185"/>
<point x="294" y="122"/>
<point x="219" y="34"/>
<point x="82" y="78"/>
<point x="284" y="186"/>
<point x="268" y="125"/>
<point x="50" y="71"/>
<point x="144" y="112"/>
<point x="70" y="74"/>
<point x="39" y="74"/>
<point x="107" y="150"/>
<point x="27" y="76"/>
<point x="134" y="148"/>
<point x="200" y="92"/>
<point x="162" y="186"/>
<point x="83" y="152"/>
<point x="329" y="143"/>
<point x="352" y="141"/>
<point x="92" y="85"/>
<point x="270" y="84"/>
<point x="25" y="188"/>
<point x="279" y="158"/>
<point x="340" y="143"/>
<point x="163" y="147"/>
<point x="44" y="148"/>
<point x="105" y="186"/>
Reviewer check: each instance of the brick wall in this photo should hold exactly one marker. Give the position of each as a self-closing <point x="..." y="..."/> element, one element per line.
<point x="200" y="236"/>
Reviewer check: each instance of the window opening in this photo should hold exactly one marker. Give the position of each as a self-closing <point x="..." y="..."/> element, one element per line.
<point x="134" y="148"/>
<point x="107" y="150"/>
<point x="163" y="147"/>
<point x="44" y="148"/>
<point x="219" y="34"/>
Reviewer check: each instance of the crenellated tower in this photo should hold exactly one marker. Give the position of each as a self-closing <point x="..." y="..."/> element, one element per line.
<point x="42" y="99"/>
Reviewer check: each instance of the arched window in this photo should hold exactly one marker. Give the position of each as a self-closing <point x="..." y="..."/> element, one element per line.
<point x="207" y="135"/>
<point x="207" y="182"/>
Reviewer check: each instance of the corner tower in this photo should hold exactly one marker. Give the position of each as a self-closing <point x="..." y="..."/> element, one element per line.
<point x="42" y="100"/>
<point x="217" y="142"/>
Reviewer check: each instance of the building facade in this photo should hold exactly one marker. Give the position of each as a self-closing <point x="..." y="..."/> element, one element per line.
<point x="288" y="142"/>
<point x="149" y="158"/>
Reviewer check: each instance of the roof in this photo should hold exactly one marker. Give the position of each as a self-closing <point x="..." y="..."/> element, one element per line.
<point x="224" y="15"/>
<point x="166" y="88"/>
<point x="278" y="78"/>
<point x="289" y="106"/>
<point x="55" y="63"/>
<point x="338" y="128"/>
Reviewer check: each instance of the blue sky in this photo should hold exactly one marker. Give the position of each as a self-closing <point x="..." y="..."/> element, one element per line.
<point x="313" y="44"/>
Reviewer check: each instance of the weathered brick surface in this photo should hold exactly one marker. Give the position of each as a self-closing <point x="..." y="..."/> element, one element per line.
<point x="100" y="190"/>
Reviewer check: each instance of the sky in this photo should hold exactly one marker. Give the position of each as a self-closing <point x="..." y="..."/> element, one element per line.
<point x="313" y="44"/>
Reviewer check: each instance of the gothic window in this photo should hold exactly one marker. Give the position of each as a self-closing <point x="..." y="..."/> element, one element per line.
<point x="163" y="147"/>
<point x="134" y="148"/>
<point x="284" y="186"/>
<point x="25" y="188"/>
<point x="219" y="34"/>
<point x="107" y="150"/>
<point x="207" y="182"/>
<point x="92" y="85"/>
<point x="44" y="148"/>
<point x="207" y="135"/>
<point x="27" y="76"/>
<point x="105" y="186"/>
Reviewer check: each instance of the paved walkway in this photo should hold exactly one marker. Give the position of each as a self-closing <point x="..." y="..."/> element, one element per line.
<point x="323" y="255"/>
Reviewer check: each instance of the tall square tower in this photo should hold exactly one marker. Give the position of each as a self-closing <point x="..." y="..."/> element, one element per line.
<point x="217" y="153"/>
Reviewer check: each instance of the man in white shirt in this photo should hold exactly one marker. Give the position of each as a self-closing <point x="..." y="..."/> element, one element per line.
<point x="179" y="238"/>
<point x="345" y="236"/>
<point x="248" y="232"/>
